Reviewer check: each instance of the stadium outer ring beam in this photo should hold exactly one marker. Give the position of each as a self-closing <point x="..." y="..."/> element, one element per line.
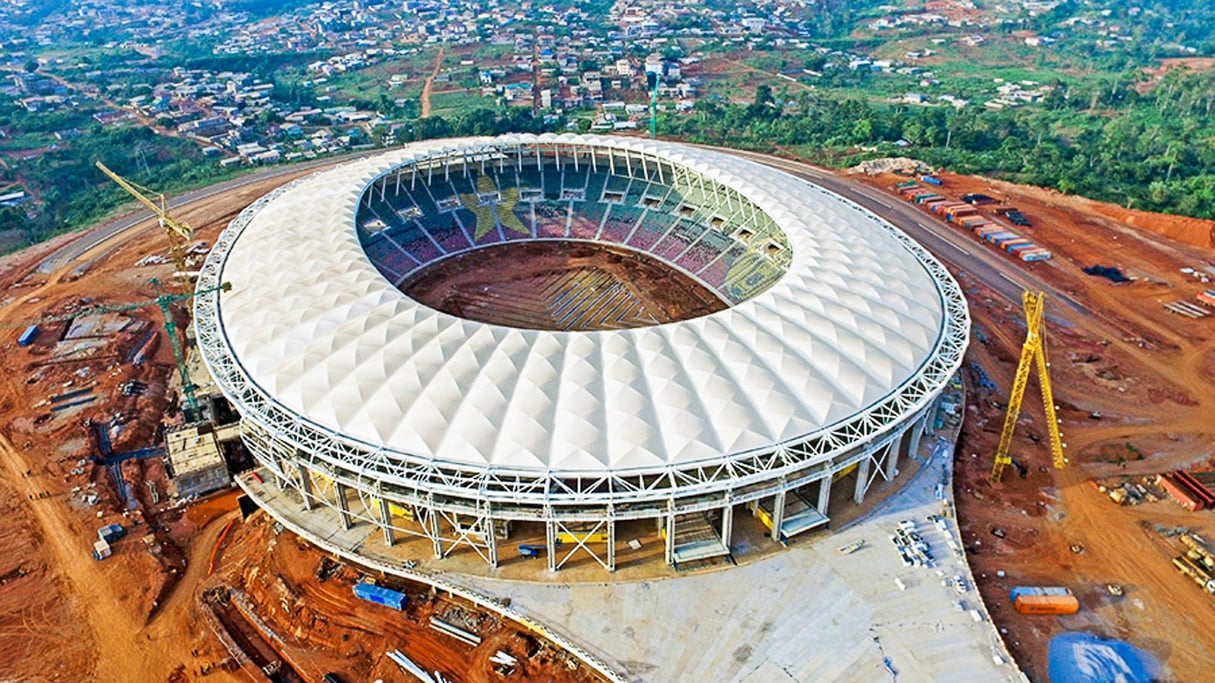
<point x="309" y="457"/>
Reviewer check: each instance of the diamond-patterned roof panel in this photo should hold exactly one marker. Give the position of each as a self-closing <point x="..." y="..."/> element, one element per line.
<point x="312" y="321"/>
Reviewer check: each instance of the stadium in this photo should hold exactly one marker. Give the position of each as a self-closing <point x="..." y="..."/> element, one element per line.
<point x="558" y="341"/>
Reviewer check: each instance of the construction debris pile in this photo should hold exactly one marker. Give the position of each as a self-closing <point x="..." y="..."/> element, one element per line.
<point x="899" y="165"/>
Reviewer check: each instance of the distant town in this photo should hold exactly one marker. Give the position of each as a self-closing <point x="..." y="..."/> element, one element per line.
<point x="249" y="83"/>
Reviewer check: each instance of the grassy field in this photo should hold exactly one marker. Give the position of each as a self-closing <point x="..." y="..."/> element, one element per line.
<point x="449" y="103"/>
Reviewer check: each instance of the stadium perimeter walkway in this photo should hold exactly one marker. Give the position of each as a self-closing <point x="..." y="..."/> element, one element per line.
<point x="808" y="614"/>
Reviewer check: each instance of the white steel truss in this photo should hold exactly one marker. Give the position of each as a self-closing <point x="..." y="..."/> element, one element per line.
<point x="438" y="491"/>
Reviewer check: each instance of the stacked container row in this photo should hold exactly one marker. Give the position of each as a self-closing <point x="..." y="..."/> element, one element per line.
<point x="967" y="216"/>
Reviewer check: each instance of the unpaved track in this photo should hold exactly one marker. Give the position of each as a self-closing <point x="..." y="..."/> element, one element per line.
<point x="429" y="85"/>
<point x="124" y="646"/>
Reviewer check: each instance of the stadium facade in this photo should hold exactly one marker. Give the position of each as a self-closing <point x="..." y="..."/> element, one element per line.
<point x="836" y="336"/>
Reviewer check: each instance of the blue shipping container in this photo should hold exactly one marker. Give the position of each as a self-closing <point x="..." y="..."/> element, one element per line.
<point x="380" y="596"/>
<point x="111" y="532"/>
<point x="933" y="180"/>
<point x="1019" y="591"/>
<point x="27" y="337"/>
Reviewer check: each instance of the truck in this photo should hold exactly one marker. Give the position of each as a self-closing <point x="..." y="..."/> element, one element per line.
<point x="1193" y="569"/>
<point x="101" y="550"/>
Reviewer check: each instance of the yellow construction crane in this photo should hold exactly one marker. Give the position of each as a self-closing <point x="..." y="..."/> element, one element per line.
<point x="178" y="233"/>
<point x="1033" y="350"/>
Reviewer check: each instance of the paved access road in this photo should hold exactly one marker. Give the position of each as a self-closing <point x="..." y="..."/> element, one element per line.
<point x="101" y="233"/>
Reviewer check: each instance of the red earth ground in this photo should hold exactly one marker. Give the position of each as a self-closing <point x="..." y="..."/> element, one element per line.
<point x="1148" y="373"/>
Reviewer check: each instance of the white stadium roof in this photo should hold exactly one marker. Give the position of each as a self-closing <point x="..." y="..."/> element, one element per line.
<point x="312" y="323"/>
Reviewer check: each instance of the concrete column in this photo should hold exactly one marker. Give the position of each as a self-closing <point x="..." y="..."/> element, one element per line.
<point x="824" y="494"/>
<point x="891" y="466"/>
<point x="611" y="549"/>
<point x="914" y="447"/>
<point x="305" y="484"/>
<point x="491" y="539"/>
<point x="343" y="505"/>
<point x="385" y="520"/>
<point x="778" y="515"/>
<point x="727" y="524"/>
<point x="670" y="552"/>
<point x="432" y="528"/>
<point x="862" y="479"/>
<point x="550" y="544"/>
<point x="280" y="476"/>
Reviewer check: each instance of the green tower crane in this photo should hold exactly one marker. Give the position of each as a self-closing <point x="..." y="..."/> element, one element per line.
<point x="163" y="300"/>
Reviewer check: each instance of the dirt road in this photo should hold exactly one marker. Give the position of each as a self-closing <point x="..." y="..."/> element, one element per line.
<point x="98" y="627"/>
<point x="428" y="86"/>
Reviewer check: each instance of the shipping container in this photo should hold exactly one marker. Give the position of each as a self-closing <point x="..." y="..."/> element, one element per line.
<point x="27" y="337"/>
<point x="101" y="550"/>
<point x="1001" y="240"/>
<point x="1024" y="591"/>
<point x="931" y="180"/>
<point x="1179" y="493"/>
<point x="921" y="199"/>
<point x="1010" y="245"/>
<point x="1002" y="235"/>
<point x="1047" y="604"/>
<point x="1035" y="255"/>
<point x="962" y="211"/>
<point x="1016" y="249"/>
<point x="380" y="596"/>
<point x="1207" y="297"/>
<point x="1204" y="495"/>
<point x="111" y="532"/>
